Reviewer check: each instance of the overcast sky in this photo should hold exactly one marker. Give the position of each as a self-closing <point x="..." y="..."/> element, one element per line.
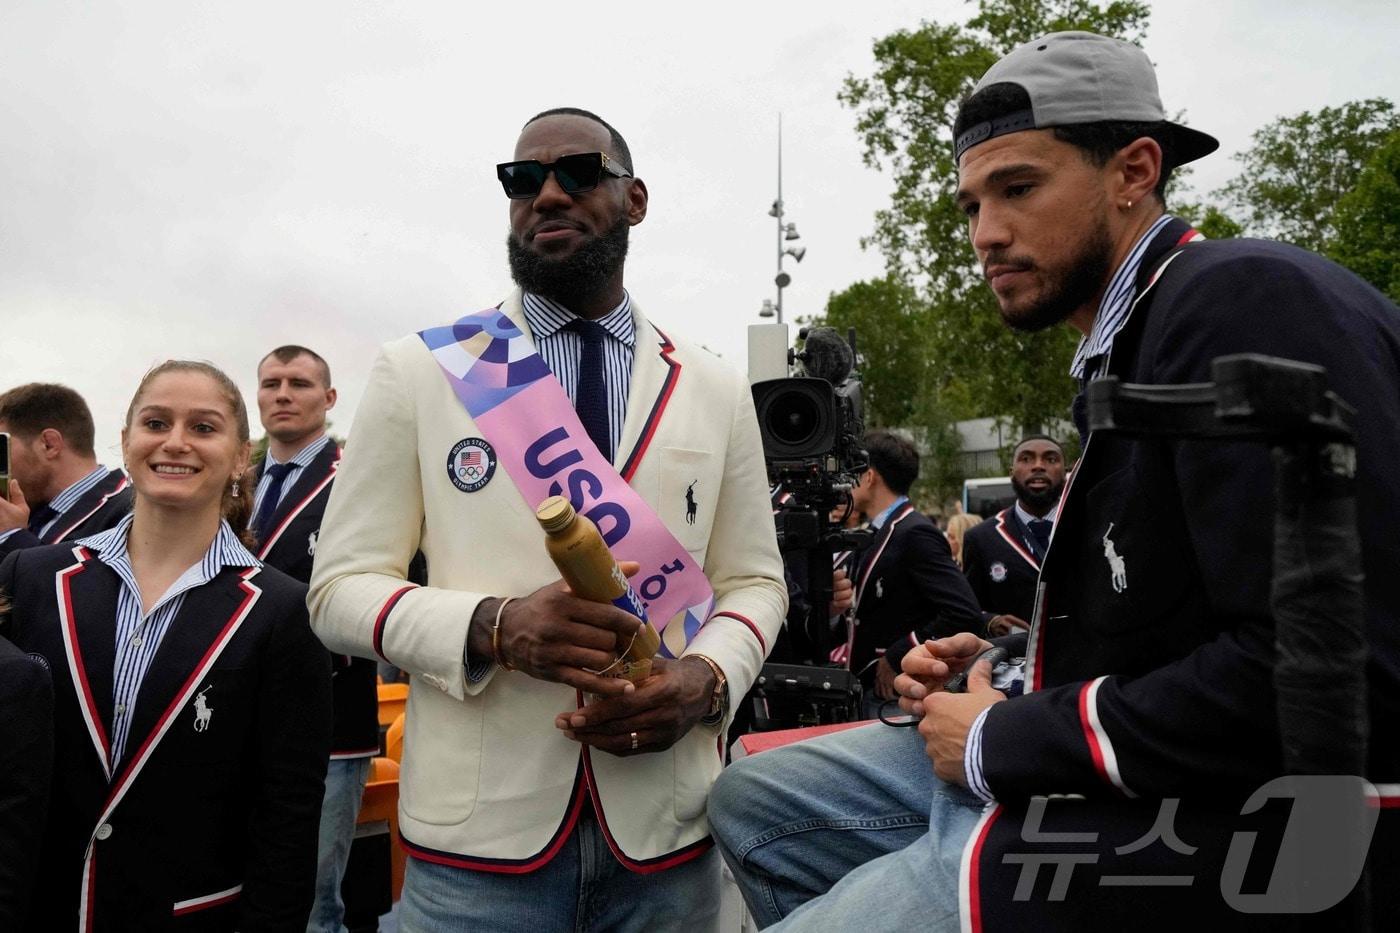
<point x="210" y="180"/>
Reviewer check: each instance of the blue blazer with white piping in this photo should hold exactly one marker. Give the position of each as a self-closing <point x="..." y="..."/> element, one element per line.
<point x="206" y="826"/>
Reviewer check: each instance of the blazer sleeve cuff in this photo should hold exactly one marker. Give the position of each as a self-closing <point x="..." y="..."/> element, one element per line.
<point x="972" y="759"/>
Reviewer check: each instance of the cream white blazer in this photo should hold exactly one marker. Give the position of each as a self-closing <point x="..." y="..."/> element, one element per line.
<point x="487" y="780"/>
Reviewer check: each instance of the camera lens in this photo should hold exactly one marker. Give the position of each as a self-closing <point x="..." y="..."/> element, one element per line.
<point x="792" y="418"/>
<point x="797" y="417"/>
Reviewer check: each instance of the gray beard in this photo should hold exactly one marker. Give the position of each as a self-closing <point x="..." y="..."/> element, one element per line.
<point x="573" y="280"/>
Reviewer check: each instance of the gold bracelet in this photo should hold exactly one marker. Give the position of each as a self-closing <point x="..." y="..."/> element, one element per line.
<point x="496" y="636"/>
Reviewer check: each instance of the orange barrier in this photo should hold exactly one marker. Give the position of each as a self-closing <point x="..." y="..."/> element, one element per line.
<point x="393" y="699"/>
<point x="381" y="804"/>
<point x="393" y="739"/>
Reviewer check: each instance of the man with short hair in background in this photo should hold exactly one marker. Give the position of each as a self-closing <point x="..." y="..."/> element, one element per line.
<point x="907" y="586"/>
<point x="293" y="484"/>
<point x="58" y="490"/>
<point x="1001" y="556"/>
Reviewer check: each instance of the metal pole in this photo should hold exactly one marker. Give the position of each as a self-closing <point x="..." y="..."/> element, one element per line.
<point x="779" y="212"/>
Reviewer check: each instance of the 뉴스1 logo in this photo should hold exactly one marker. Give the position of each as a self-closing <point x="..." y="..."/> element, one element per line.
<point x="471" y="464"/>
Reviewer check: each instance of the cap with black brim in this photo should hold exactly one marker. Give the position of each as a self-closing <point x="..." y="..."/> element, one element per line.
<point x="1080" y="77"/>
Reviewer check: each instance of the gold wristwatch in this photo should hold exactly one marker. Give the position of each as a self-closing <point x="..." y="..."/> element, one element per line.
<point x="719" y="698"/>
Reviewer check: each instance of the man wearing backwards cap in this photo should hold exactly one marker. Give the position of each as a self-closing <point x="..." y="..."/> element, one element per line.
<point x="1147" y="707"/>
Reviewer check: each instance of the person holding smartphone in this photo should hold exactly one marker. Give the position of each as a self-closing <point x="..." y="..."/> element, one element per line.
<point x="57" y="490"/>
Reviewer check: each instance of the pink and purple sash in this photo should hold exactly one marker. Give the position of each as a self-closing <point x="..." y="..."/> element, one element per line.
<point x="524" y="414"/>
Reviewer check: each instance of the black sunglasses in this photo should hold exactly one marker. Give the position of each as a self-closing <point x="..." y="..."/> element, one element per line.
<point x="575" y="173"/>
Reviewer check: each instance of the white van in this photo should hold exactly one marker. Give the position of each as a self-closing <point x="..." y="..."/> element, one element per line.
<point x="987" y="496"/>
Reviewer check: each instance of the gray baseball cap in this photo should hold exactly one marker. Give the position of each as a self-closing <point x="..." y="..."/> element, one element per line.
<point x="1081" y="77"/>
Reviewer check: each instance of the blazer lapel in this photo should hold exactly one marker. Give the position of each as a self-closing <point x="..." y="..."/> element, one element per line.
<point x="310" y="481"/>
<point x="1016" y="534"/>
<point x="88" y="503"/>
<point x="197" y="635"/>
<point x="877" y="549"/>
<point x="87" y="595"/>
<point x="654" y="378"/>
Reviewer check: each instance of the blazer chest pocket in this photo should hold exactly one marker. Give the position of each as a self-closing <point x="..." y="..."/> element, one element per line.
<point x="689" y="490"/>
<point x="1135" y="562"/>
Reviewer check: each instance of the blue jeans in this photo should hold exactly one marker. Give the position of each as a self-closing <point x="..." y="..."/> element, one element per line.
<point x="345" y="787"/>
<point x="848" y="831"/>
<point x="582" y="888"/>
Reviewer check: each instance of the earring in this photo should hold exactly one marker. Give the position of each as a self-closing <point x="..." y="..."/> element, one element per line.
<point x="1129" y="207"/>
<point x="235" y="487"/>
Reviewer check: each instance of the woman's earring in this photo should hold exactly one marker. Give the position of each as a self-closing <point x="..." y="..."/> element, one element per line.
<point x="235" y="487"/>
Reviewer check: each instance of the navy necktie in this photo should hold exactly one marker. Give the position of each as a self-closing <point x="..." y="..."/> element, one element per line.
<point x="262" y="524"/>
<point x="1040" y="531"/>
<point x="591" y="400"/>
<point x="40" y="517"/>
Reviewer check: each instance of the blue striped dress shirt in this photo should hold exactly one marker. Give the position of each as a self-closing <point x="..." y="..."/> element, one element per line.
<point x="302" y="460"/>
<point x="561" y="350"/>
<point x="138" y="635"/>
<point x="1116" y="304"/>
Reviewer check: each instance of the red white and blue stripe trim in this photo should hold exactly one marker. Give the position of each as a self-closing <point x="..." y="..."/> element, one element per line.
<point x="1016" y="543"/>
<point x="748" y="623"/>
<point x="47" y="533"/>
<point x="383" y="617"/>
<point x="297" y="509"/>
<point x="119" y="789"/>
<point x="87" y="703"/>
<point x="1097" y="739"/>
<point x="970" y="870"/>
<point x="663" y="398"/>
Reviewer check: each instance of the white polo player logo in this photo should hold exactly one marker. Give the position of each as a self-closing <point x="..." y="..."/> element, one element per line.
<point x="1116" y="567"/>
<point x="202" y="711"/>
<point x="311" y="544"/>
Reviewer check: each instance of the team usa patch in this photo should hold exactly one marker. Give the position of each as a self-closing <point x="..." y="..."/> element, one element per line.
<point x="998" y="571"/>
<point x="471" y="464"/>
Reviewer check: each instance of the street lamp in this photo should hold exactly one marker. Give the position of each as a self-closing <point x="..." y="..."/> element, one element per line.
<point x="787" y="232"/>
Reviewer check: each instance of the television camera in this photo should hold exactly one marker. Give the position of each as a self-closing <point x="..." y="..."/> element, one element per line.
<point x="811" y="424"/>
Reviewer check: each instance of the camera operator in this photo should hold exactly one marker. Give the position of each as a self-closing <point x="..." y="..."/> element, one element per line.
<point x="1149" y="713"/>
<point x="906" y="586"/>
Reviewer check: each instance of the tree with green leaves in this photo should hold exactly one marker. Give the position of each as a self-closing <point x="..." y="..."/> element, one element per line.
<point x="1367" y="221"/>
<point x="888" y="319"/>
<point x="1299" y="169"/>
<point x="969" y="363"/>
<point x="903" y="387"/>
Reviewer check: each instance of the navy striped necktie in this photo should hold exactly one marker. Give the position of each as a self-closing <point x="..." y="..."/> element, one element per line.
<point x="1040" y="529"/>
<point x="262" y="525"/>
<point x="591" y="399"/>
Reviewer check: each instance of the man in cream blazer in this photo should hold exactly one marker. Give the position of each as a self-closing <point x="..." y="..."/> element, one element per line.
<point x="511" y="801"/>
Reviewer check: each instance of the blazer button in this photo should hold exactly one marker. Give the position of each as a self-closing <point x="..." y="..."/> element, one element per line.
<point x="104" y="831"/>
